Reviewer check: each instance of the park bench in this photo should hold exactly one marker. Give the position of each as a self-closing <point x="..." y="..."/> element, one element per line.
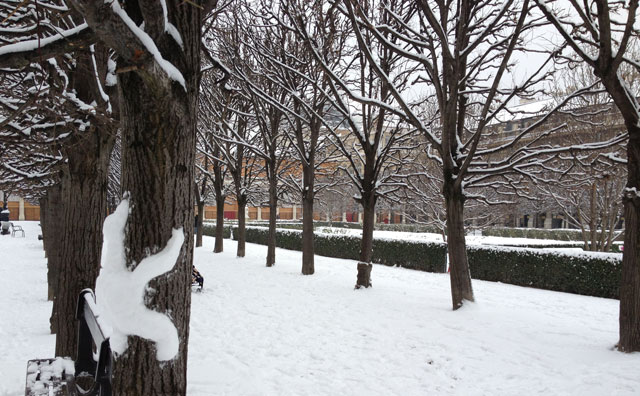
<point x="85" y="376"/>
<point x="16" y="228"/>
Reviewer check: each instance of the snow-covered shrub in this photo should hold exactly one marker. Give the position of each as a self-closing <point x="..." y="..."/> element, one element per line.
<point x="589" y="274"/>
<point x="593" y="274"/>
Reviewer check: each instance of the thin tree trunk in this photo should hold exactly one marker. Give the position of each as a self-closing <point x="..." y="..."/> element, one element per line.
<point x="242" y="226"/>
<point x="271" y="236"/>
<point x="200" y="194"/>
<point x="219" y="225"/>
<point x="366" y="246"/>
<point x="583" y="229"/>
<point x="461" y="289"/>
<point x="199" y="221"/>
<point x="43" y="223"/>
<point x="307" y="235"/>
<point x="593" y="227"/>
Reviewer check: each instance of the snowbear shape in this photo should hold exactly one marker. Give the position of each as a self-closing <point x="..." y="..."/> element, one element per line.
<point x="120" y="293"/>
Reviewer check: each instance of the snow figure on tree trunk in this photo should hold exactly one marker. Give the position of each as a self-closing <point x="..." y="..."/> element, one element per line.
<point x="120" y="292"/>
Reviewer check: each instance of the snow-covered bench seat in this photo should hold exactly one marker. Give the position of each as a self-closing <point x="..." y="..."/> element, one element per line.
<point x="85" y="376"/>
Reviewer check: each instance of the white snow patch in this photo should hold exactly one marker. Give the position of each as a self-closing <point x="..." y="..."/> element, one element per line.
<point x="120" y="293"/>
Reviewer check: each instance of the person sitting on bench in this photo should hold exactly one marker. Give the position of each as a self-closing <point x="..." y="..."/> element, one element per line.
<point x="196" y="278"/>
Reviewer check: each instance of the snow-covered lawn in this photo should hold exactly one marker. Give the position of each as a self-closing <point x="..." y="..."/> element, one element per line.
<point x="431" y="237"/>
<point x="272" y="331"/>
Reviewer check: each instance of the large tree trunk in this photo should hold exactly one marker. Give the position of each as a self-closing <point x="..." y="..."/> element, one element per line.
<point x="52" y="234"/>
<point x="242" y="226"/>
<point x="630" y="278"/>
<point x="630" y="281"/>
<point x="85" y="193"/>
<point x="366" y="246"/>
<point x="219" y="225"/>
<point x="199" y="221"/>
<point x="157" y="165"/>
<point x="461" y="289"/>
<point x="271" y="236"/>
<point x="158" y="116"/>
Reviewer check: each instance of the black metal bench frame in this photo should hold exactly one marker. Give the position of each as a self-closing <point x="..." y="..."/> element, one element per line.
<point x="90" y="336"/>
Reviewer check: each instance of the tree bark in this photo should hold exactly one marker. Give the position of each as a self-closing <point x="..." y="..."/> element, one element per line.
<point x="157" y="162"/>
<point x="461" y="289"/>
<point x="158" y="120"/>
<point x="630" y="280"/>
<point x="271" y="236"/>
<point x="308" y="195"/>
<point x="593" y="224"/>
<point x="308" y="267"/>
<point x="242" y="224"/>
<point x="57" y="231"/>
<point x="219" y="225"/>
<point x="366" y="246"/>
<point x="53" y="236"/>
<point x="85" y="196"/>
<point x="199" y="221"/>
<point x="43" y="221"/>
<point x="218" y="186"/>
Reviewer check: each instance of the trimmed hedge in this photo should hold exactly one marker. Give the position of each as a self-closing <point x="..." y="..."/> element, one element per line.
<point x="534" y="233"/>
<point x="589" y="274"/>
<point x="209" y="229"/>
<point x="408" y="254"/>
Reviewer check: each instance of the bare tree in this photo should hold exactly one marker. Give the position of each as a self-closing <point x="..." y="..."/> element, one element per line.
<point x="158" y="71"/>
<point x="463" y="54"/>
<point x="308" y="111"/>
<point x="230" y="115"/>
<point x="600" y="33"/>
<point x="55" y="93"/>
<point x="373" y="141"/>
<point x="214" y="169"/>
<point x="268" y="103"/>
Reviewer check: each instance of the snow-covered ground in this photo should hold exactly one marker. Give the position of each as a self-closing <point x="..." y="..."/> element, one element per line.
<point x="272" y="331"/>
